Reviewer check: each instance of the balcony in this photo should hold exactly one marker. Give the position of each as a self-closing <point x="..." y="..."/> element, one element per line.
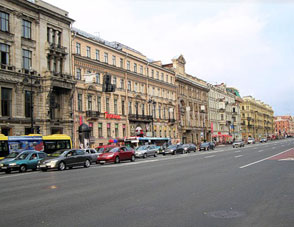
<point x="57" y="48"/>
<point x="140" y="117"/>
<point x="172" y="121"/>
<point x="92" y="114"/>
<point x="8" y="67"/>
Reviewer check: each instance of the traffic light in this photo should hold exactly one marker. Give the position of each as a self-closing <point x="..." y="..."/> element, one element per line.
<point x="107" y="86"/>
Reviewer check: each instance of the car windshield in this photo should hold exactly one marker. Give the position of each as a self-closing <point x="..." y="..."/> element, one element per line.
<point x="22" y="156"/>
<point x="57" y="153"/>
<point x="172" y="146"/>
<point x="141" y="148"/>
<point x="12" y="155"/>
<point x="113" y="150"/>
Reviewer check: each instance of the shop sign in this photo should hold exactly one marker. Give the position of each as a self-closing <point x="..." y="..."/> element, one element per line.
<point x="111" y="116"/>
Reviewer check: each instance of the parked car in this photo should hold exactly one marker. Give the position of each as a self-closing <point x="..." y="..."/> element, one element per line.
<point x="145" y="151"/>
<point x="105" y="148"/>
<point x="251" y="141"/>
<point x="11" y="156"/>
<point x="238" y="143"/>
<point x="205" y="146"/>
<point x="158" y="149"/>
<point x="93" y="153"/>
<point x="24" y="161"/>
<point x="62" y="159"/>
<point x="263" y="140"/>
<point x="173" y="149"/>
<point x="117" y="154"/>
<point x="189" y="147"/>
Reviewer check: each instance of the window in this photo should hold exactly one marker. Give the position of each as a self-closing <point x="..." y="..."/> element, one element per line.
<point x="89" y="102"/>
<point x="100" y="130"/>
<point x="26" y="59"/>
<point x="159" y="112"/>
<point x="152" y="73"/>
<point x="122" y="83"/>
<point x="147" y="71"/>
<point x="164" y="116"/>
<point x="106" y="57"/>
<point x="162" y="76"/>
<point x="123" y="107"/>
<point x="130" y="107"/>
<point x="99" y="103"/>
<point x="114" y="80"/>
<point x="128" y="65"/>
<point x="6" y="101"/>
<point x="80" y="102"/>
<point x="136" y="87"/>
<point x="167" y="78"/>
<point x="129" y="86"/>
<point x="116" y="130"/>
<point x="28" y="103"/>
<point x="113" y="60"/>
<point x="124" y="130"/>
<point x="107" y="105"/>
<point x="157" y="75"/>
<point x="143" y="109"/>
<point x="4" y="57"/>
<point x="89" y="52"/>
<point x="78" y="48"/>
<point x="142" y="88"/>
<point x="121" y="62"/>
<point x="141" y="69"/>
<point x="154" y="111"/>
<point x="135" y="67"/>
<point x="97" y="78"/>
<point x="97" y="55"/>
<point x="153" y="91"/>
<point x="137" y="108"/>
<point x="26" y="29"/>
<point x="115" y="106"/>
<point x="158" y="92"/>
<point x="4" y="21"/>
<point x="108" y="130"/>
<point x="78" y="76"/>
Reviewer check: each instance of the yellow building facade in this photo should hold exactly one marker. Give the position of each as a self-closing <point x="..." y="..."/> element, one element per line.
<point x="257" y="119"/>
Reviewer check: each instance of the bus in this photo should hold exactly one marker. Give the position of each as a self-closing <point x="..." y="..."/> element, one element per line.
<point x="47" y="144"/>
<point x="139" y="141"/>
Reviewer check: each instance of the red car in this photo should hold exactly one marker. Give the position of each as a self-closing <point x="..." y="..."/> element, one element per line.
<point x="116" y="155"/>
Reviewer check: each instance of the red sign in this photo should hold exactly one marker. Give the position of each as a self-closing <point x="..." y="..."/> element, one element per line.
<point x="111" y="116"/>
<point x="211" y="125"/>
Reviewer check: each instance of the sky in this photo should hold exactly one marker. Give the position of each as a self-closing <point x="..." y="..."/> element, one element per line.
<point x="246" y="44"/>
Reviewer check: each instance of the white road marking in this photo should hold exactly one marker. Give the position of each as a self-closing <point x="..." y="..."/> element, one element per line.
<point x="260" y="151"/>
<point x="237" y="151"/>
<point x="250" y="164"/>
<point x="211" y="156"/>
<point x="238" y="156"/>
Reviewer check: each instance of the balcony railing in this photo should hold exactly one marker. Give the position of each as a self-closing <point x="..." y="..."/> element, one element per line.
<point x="92" y="114"/>
<point x="8" y="67"/>
<point x="140" y="117"/>
<point x="57" y="48"/>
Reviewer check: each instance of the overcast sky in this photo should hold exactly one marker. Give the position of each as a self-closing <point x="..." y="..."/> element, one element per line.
<point x="246" y="44"/>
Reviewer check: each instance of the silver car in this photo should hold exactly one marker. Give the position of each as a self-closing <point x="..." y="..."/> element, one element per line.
<point x="238" y="143"/>
<point x="93" y="153"/>
<point x="145" y="151"/>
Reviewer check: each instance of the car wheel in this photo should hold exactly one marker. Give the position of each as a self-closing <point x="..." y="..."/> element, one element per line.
<point x="133" y="158"/>
<point x="8" y="171"/>
<point x="145" y="155"/>
<point x="117" y="160"/>
<point x="22" y="169"/>
<point x="155" y="154"/>
<point x="35" y="169"/>
<point x="87" y="163"/>
<point x="174" y="152"/>
<point x="233" y="146"/>
<point x="163" y="154"/>
<point x="61" y="166"/>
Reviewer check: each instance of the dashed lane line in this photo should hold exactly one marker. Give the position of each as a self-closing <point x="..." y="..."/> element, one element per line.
<point x="238" y="156"/>
<point x="210" y="156"/>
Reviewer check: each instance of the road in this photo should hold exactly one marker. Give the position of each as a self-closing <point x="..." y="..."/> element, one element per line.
<point x="251" y="186"/>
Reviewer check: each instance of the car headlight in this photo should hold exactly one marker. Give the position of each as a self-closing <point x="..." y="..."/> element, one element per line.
<point x="110" y="155"/>
<point x="53" y="162"/>
<point x="1" y="164"/>
<point x="12" y="164"/>
<point x="186" y="148"/>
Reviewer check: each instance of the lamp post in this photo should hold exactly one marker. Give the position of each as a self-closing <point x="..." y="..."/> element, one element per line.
<point x="151" y="101"/>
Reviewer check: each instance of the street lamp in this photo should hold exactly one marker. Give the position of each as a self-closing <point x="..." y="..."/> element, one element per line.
<point x="151" y="101"/>
<point x="37" y="82"/>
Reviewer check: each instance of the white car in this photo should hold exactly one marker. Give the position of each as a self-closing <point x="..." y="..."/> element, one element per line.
<point x="251" y="141"/>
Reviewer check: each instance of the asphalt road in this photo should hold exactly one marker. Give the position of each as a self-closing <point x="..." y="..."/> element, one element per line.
<point x="251" y="186"/>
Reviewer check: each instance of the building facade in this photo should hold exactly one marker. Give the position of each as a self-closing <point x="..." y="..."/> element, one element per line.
<point x="257" y="119"/>
<point x="144" y="102"/>
<point x="35" y="74"/>
<point x="284" y="126"/>
<point x="192" y="96"/>
<point x="224" y="114"/>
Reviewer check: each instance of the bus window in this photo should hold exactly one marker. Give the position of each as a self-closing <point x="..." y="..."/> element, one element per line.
<point x="3" y="148"/>
<point x="63" y="144"/>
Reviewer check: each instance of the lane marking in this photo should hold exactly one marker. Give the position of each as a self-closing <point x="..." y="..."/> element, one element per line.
<point x="250" y="164"/>
<point x="260" y="151"/>
<point x="237" y="151"/>
<point x="238" y="156"/>
<point x="211" y="156"/>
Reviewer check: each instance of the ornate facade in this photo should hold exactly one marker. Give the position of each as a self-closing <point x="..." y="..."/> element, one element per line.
<point x="144" y="102"/>
<point x="35" y="68"/>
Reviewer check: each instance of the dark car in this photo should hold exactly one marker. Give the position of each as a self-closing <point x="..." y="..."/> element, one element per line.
<point x="205" y="146"/>
<point x="117" y="154"/>
<point x="24" y="161"/>
<point x="65" y="158"/>
<point x="174" y="149"/>
<point x="189" y="147"/>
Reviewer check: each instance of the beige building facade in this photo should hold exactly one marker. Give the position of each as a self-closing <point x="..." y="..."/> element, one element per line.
<point x="257" y="119"/>
<point x="35" y="63"/>
<point x="192" y="101"/>
<point x="144" y="102"/>
<point x="224" y="114"/>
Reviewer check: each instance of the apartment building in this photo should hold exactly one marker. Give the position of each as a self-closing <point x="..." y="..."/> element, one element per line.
<point x="284" y="125"/>
<point x="144" y="102"/>
<point x="36" y="84"/>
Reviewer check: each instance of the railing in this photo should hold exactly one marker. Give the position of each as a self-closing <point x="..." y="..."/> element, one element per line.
<point x="140" y="117"/>
<point x="8" y="67"/>
<point x="92" y="114"/>
<point x="58" y="48"/>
